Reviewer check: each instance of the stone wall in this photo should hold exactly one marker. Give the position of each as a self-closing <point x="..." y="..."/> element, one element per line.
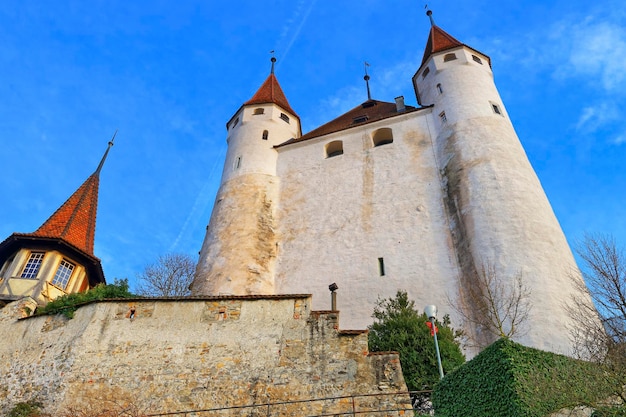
<point x="176" y="355"/>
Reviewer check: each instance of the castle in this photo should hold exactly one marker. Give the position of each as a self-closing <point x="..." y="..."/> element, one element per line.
<point x="389" y="197"/>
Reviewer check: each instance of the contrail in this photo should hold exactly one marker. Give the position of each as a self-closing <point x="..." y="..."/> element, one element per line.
<point x="298" y="29"/>
<point x="201" y="200"/>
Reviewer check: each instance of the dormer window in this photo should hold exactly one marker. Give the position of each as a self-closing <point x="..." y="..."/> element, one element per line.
<point x="284" y="117"/>
<point x="32" y="266"/>
<point x="360" y="119"/>
<point x="63" y="274"/>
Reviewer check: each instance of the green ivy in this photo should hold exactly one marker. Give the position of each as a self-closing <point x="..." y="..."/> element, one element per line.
<point x="510" y="380"/>
<point x="69" y="303"/>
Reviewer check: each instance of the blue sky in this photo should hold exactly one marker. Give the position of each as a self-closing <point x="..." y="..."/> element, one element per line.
<point x="169" y="75"/>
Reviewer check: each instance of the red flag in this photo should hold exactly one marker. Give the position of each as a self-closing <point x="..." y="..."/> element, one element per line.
<point x="430" y="326"/>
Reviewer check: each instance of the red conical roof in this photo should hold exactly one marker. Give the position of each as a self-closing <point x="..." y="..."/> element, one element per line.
<point x="75" y="220"/>
<point x="270" y="92"/>
<point x="438" y="40"/>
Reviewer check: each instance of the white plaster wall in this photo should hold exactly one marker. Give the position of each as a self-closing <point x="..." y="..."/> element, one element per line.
<point x="337" y="216"/>
<point x="504" y="211"/>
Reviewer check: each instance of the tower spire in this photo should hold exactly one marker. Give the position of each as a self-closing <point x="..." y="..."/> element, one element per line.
<point x="429" y="13"/>
<point x="367" y="81"/>
<point x="273" y="59"/>
<point x="104" y="157"/>
<point x="75" y="220"/>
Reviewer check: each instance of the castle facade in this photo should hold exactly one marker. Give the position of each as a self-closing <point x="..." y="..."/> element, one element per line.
<point x="389" y="197"/>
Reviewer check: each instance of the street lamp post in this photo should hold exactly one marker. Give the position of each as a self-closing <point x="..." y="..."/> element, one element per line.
<point x="431" y="313"/>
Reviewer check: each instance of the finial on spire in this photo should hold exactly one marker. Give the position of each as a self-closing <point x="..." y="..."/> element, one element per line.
<point x="104" y="157"/>
<point x="367" y="81"/>
<point x="273" y="61"/>
<point x="429" y="13"/>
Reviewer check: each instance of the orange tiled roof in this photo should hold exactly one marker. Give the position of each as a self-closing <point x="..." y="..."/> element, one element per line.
<point x="75" y="220"/>
<point x="270" y="92"/>
<point x="439" y="40"/>
<point x="367" y="112"/>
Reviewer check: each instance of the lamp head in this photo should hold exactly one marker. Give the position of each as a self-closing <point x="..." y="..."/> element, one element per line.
<point x="333" y="287"/>
<point x="431" y="311"/>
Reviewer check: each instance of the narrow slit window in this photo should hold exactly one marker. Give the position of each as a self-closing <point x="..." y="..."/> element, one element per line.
<point x="439" y="89"/>
<point x="425" y="73"/>
<point x="265" y="134"/>
<point x="235" y="123"/>
<point x="442" y="117"/>
<point x="381" y="267"/>
<point x="496" y="109"/>
<point x="238" y="162"/>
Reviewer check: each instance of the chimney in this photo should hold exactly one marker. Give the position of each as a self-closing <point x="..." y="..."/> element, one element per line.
<point x="400" y="107"/>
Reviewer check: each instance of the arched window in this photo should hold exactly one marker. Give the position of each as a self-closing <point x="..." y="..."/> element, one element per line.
<point x="265" y="134"/>
<point x="334" y="148"/>
<point x="382" y="136"/>
<point x="449" y="57"/>
<point x="260" y="110"/>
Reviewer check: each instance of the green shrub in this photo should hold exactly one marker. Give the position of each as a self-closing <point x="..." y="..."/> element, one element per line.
<point x="27" y="409"/>
<point x="511" y="380"/>
<point x="69" y="303"/>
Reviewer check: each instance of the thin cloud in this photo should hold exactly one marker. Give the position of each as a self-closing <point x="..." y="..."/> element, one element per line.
<point x="593" y="118"/>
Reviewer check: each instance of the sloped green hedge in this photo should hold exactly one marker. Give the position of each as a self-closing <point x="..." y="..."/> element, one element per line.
<point x="511" y="380"/>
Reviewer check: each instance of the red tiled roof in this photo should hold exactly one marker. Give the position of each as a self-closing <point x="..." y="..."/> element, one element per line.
<point x="270" y="92"/>
<point x="367" y="112"/>
<point x="75" y="220"/>
<point x="438" y="40"/>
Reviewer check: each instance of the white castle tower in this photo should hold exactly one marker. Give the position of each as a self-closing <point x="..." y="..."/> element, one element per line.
<point x="240" y="247"/>
<point x="389" y="197"/>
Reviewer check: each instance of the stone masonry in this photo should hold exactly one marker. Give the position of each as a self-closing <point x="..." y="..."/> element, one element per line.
<point x="166" y="355"/>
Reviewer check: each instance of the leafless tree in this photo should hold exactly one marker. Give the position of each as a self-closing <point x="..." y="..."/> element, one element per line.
<point x="494" y="305"/>
<point x="598" y="308"/>
<point x="170" y="276"/>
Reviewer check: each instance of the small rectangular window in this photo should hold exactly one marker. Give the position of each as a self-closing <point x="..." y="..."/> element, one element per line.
<point x="284" y="117"/>
<point x="381" y="267"/>
<point x="425" y="73"/>
<point x="32" y="266"/>
<point x="442" y="117"/>
<point x="475" y="58"/>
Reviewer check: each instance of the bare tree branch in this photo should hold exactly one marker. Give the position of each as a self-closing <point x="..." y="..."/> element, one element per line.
<point x="598" y="308"/>
<point x="494" y="305"/>
<point x="170" y="276"/>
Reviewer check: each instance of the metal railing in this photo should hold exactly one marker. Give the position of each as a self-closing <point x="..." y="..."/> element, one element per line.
<point x="396" y="404"/>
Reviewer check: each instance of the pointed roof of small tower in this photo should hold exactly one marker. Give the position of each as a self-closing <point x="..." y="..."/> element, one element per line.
<point x="439" y="40"/>
<point x="270" y="92"/>
<point x="75" y="220"/>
